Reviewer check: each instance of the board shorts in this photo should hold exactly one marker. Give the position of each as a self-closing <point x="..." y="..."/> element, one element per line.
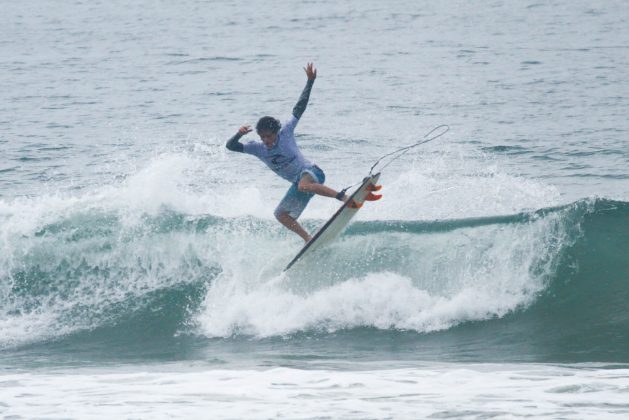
<point x="295" y="201"/>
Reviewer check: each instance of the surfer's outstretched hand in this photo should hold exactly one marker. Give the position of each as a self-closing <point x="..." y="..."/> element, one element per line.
<point x="311" y="72"/>
<point x="244" y="130"/>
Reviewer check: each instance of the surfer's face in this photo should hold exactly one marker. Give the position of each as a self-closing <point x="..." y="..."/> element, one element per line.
<point x="268" y="137"/>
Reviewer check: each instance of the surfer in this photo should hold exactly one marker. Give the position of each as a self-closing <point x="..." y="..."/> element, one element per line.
<point x="279" y="151"/>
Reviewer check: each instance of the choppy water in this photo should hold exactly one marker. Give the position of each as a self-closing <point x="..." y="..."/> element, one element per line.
<point x="140" y="263"/>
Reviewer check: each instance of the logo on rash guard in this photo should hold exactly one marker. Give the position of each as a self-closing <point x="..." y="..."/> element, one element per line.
<point x="281" y="160"/>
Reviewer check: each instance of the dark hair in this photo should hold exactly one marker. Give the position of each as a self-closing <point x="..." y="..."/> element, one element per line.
<point x="268" y="123"/>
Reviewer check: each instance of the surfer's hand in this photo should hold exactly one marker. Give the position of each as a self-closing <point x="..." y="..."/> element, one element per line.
<point x="244" y="130"/>
<point x="311" y="72"/>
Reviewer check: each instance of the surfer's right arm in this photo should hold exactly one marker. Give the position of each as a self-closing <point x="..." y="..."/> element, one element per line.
<point x="234" y="144"/>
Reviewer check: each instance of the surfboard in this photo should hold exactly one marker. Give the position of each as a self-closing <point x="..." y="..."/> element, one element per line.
<point x="333" y="227"/>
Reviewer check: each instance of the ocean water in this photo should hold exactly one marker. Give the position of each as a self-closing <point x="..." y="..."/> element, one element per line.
<point x="141" y="266"/>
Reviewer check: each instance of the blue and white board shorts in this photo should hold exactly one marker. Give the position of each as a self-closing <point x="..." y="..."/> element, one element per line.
<point x="295" y="201"/>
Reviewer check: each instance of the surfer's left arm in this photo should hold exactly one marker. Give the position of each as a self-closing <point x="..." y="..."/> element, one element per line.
<point x="302" y="103"/>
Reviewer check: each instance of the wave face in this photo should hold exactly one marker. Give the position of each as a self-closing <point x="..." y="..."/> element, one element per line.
<point x="554" y="281"/>
<point x="546" y="285"/>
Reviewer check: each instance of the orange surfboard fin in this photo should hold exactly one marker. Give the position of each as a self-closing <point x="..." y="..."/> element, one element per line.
<point x="372" y="187"/>
<point x="373" y="197"/>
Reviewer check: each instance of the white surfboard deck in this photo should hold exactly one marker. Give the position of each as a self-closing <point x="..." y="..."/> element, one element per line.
<point x="333" y="227"/>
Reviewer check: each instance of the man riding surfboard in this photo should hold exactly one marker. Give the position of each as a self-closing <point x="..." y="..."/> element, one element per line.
<point x="279" y="151"/>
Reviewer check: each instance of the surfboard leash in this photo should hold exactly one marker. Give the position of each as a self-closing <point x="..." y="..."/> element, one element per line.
<point x="401" y="152"/>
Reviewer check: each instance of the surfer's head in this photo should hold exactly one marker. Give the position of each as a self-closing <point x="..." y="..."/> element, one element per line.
<point x="267" y="128"/>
